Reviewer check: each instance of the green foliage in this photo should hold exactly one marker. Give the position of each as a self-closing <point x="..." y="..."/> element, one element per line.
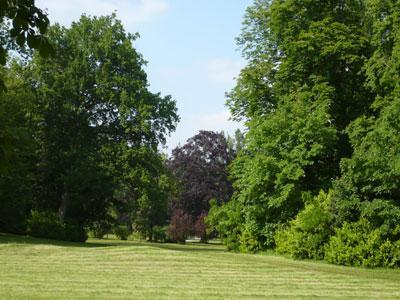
<point x="154" y="187"/>
<point x="80" y="131"/>
<point x="75" y="232"/>
<point x="122" y="231"/>
<point x="320" y="96"/>
<point x="160" y="234"/>
<point x="22" y="22"/>
<point x="271" y="174"/>
<point x="46" y="224"/>
<point x="224" y="221"/>
<point x="100" y="228"/>
<point x="99" y="126"/>
<point x="360" y="244"/>
<point x="307" y="234"/>
<point x="17" y="159"/>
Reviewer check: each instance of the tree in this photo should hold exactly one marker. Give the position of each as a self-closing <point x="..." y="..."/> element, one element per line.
<point x="236" y="143"/>
<point x="200" y="167"/>
<point x="300" y="90"/>
<point x="181" y="226"/>
<point x="17" y="154"/>
<point x="369" y="185"/>
<point x="96" y="119"/>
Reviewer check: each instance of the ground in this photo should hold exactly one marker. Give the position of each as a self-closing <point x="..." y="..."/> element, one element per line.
<point x="110" y="269"/>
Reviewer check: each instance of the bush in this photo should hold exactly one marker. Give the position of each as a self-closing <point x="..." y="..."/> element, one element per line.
<point x="160" y="234"/>
<point x="122" y="231"/>
<point x="224" y="221"/>
<point x="249" y="241"/>
<point x="100" y="228"/>
<point x="46" y="225"/>
<point x="307" y="234"/>
<point x="75" y="233"/>
<point x="359" y="244"/>
<point x="181" y="226"/>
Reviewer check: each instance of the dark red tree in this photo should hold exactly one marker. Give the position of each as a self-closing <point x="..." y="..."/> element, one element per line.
<point x="200" y="167"/>
<point x="200" y="227"/>
<point x="181" y="226"/>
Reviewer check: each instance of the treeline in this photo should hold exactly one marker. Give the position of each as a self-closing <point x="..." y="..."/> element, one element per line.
<point x="319" y="175"/>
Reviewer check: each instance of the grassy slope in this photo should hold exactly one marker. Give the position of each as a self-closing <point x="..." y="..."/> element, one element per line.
<point x="110" y="269"/>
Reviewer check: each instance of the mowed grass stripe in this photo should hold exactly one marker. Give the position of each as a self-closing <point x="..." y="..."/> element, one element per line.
<point x="39" y="269"/>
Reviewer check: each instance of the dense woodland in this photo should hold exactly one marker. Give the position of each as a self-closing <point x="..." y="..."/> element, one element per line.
<point x="315" y="175"/>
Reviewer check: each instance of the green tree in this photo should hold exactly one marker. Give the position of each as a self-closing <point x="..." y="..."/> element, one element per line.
<point x="17" y="154"/>
<point x="371" y="176"/>
<point x="300" y="90"/>
<point x="96" y="116"/>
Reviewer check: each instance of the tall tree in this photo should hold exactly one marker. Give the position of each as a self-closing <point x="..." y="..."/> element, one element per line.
<point x="299" y="91"/>
<point x="96" y="114"/>
<point x="372" y="173"/>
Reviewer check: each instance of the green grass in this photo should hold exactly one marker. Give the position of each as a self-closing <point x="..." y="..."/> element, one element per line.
<point x="108" y="269"/>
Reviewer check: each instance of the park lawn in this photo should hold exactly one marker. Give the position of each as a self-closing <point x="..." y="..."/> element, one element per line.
<point x="109" y="269"/>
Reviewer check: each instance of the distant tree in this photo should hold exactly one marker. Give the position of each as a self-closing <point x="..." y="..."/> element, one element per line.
<point x="153" y="187"/>
<point x="201" y="228"/>
<point x="200" y="167"/>
<point x="236" y="143"/>
<point x="181" y="226"/>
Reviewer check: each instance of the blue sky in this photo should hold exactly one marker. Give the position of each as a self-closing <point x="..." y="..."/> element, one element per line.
<point x="190" y="48"/>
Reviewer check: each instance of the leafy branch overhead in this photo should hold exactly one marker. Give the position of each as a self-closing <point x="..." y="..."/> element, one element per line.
<point x="26" y="24"/>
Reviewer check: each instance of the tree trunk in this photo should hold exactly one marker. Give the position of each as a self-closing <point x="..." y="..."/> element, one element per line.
<point x="64" y="203"/>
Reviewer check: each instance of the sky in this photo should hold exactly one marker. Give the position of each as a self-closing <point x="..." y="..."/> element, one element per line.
<point x="190" y="48"/>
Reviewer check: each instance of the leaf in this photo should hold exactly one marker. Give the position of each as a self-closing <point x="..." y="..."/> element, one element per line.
<point x="33" y="41"/>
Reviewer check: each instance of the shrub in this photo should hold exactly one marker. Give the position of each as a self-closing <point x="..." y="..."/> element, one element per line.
<point x="307" y="234"/>
<point x="249" y="241"/>
<point x="160" y="234"/>
<point x="75" y="232"/>
<point x="224" y="221"/>
<point x="181" y="226"/>
<point x="122" y="231"/>
<point x="100" y="228"/>
<point x="45" y="224"/>
<point x="359" y="244"/>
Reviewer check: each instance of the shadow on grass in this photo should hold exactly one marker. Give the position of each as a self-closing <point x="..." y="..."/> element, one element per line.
<point x="188" y="247"/>
<point x="19" y="239"/>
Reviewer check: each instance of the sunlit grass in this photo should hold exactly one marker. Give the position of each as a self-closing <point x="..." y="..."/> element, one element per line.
<point x="110" y="269"/>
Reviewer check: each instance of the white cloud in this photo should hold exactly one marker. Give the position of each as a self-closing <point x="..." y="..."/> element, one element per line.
<point x="224" y="70"/>
<point x="131" y="12"/>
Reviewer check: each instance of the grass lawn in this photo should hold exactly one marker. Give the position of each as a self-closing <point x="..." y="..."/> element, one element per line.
<point x="108" y="269"/>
